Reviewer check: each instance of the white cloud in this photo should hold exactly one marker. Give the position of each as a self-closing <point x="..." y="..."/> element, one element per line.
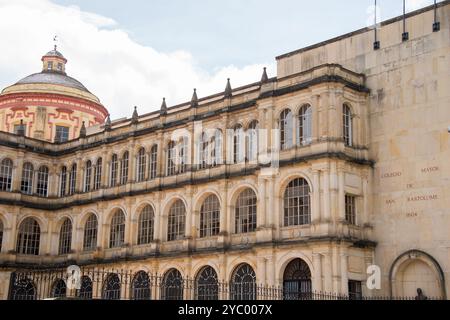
<point x="121" y="72"/>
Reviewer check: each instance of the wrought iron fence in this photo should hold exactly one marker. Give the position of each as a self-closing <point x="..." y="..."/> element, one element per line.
<point x="108" y="284"/>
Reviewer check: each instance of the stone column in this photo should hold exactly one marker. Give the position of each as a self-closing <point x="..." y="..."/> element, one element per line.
<point x="341" y="202"/>
<point x="17" y="172"/>
<point x="326" y="195"/>
<point x="315" y="210"/>
<point x="317" y="277"/>
<point x="328" y="273"/>
<point x="132" y="170"/>
<point x="344" y="272"/>
<point x="334" y="201"/>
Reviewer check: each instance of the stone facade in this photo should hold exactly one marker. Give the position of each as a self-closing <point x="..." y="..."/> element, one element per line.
<point x="357" y="175"/>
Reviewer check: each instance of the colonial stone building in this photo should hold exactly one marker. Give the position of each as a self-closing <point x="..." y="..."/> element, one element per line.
<point x="300" y="182"/>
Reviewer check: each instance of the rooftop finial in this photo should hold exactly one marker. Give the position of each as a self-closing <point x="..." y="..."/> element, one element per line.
<point x="135" y="116"/>
<point x="83" y="131"/>
<point x="194" y="100"/>
<point x="228" y="90"/>
<point x="108" y="123"/>
<point x="264" y="77"/>
<point x="55" y="39"/>
<point x="163" y="107"/>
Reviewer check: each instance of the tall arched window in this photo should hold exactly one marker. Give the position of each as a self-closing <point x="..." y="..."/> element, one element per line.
<point x="111" y="287"/>
<point x="87" y="176"/>
<point x="297" y="203"/>
<point x="113" y="172"/>
<point x="238" y="144"/>
<point x="210" y="217"/>
<point x="1" y="235"/>
<point x="245" y="212"/>
<point x="85" y="288"/>
<point x="59" y="289"/>
<point x="297" y="281"/>
<point x="172" y="285"/>
<point x="28" y="238"/>
<point x="90" y="233"/>
<point x="216" y="148"/>
<point x="65" y="237"/>
<point x="286" y="129"/>
<point x="171" y="159"/>
<point x="140" y="286"/>
<point x="98" y="174"/>
<point x="203" y="151"/>
<point x="252" y="141"/>
<point x="73" y="179"/>
<point x="146" y="225"/>
<point x="153" y="162"/>
<point x="42" y="182"/>
<point x="6" y="167"/>
<point x="207" y="284"/>
<point x="347" y="125"/>
<point x="243" y="283"/>
<point x="305" y="125"/>
<point x="124" y="168"/>
<point x="26" y="185"/>
<point x="141" y="165"/>
<point x="183" y="154"/>
<point x="176" y="221"/>
<point x="22" y="288"/>
<point x="117" y="231"/>
<point x="63" y="181"/>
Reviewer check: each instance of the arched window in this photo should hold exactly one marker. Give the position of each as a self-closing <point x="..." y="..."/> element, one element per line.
<point x="183" y="154"/>
<point x="153" y="162"/>
<point x="305" y="125"/>
<point x="42" y="182"/>
<point x="238" y="144"/>
<point x="22" y="288"/>
<point x="59" y="289"/>
<point x="124" y="168"/>
<point x="6" y="167"/>
<point x="87" y="176"/>
<point x="210" y="217"/>
<point x="297" y="208"/>
<point x="146" y="225"/>
<point x="286" y="129"/>
<point x="98" y="174"/>
<point x="171" y="159"/>
<point x="28" y="238"/>
<point x="176" y="221"/>
<point x="111" y="287"/>
<point x="172" y="285"/>
<point x="1" y="235"/>
<point x="63" y="181"/>
<point x="347" y="125"/>
<point x="207" y="284"/>
<point x="85" y="288"/>
<point x="140" y="286"/>
<point x="297" y="281"/>
<point x="216" y="148"/>
<point x="90" y="233"/>
<point x="73" y="179"/>
<point x="114" y="169"/>
<point x="203" y="151"/>
<point x="26" y="185"/>
<point x="245" y="212"/>
<point x="243" y="283"/>
<point x="117" y="232"/>
<point x="65" y="237"/>
<point x="252" y="141"/>
<point x="141" y="165"/>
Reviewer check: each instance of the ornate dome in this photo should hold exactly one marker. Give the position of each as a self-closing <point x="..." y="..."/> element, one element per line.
<point x="50" y="77"/>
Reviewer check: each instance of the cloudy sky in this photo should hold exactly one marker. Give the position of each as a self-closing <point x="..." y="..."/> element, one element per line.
<point x="135" y="52"/>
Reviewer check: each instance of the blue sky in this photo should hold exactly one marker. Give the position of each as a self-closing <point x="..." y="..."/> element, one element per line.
<point x="133" y="53"/>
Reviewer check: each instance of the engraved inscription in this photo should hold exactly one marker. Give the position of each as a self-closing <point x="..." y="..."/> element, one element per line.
<point x="430" y="169"/>
<point x="423" y="198"/>
<point x="391" y="175"/>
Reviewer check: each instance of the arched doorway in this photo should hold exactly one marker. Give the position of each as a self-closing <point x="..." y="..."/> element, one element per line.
<point x="415" y="270"/>
<point x="297" y="281"/>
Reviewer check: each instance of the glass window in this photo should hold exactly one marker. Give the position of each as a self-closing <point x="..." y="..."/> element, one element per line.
<point x="146" y="225"/>
<point x="347" y="125"/>
<point x="350" y="209"/>
<point x="297" y="208"/>
<point x="140" y="286"/>
<point x="6" y="168"/>
<point x="98" y="174"/>
<point x="117" y="232"/>
<point x="65" y="237"/>
<point x="355" y="290"/>
<point x="28" y="238"/>
<point x="245" y="215"/>
<point x="176" y="221"/>
<point x="111" y="287"/>
<point x="114" y="168"/>
<point x="62" y="134"/>
<point x="90" y="233"/>
<point x="252" y="141"/>
<point x="153" y="162"/>
<point x="297" y="281"/>
<point x="73" y="179"/>
<point x="141" y="165"/>
<point x="238" y="144"/>
<point x="59" y="289"/>
<point x="26" y="185"/>
<point x="42" y="182"/>
<point x="63" y="182"/>
<point x="172" y="286"/>
<point x="305" y="125"/>
<point x="210" y="217"/>
<point x="124" y="168"/>
<point x="207" y="285"/>
<point x="286" y="130"/>
<point x="243" y="283"/>
<point x="171" y="159"/>
<point x="87" y="176"/>
<point x="18" y="127"/>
